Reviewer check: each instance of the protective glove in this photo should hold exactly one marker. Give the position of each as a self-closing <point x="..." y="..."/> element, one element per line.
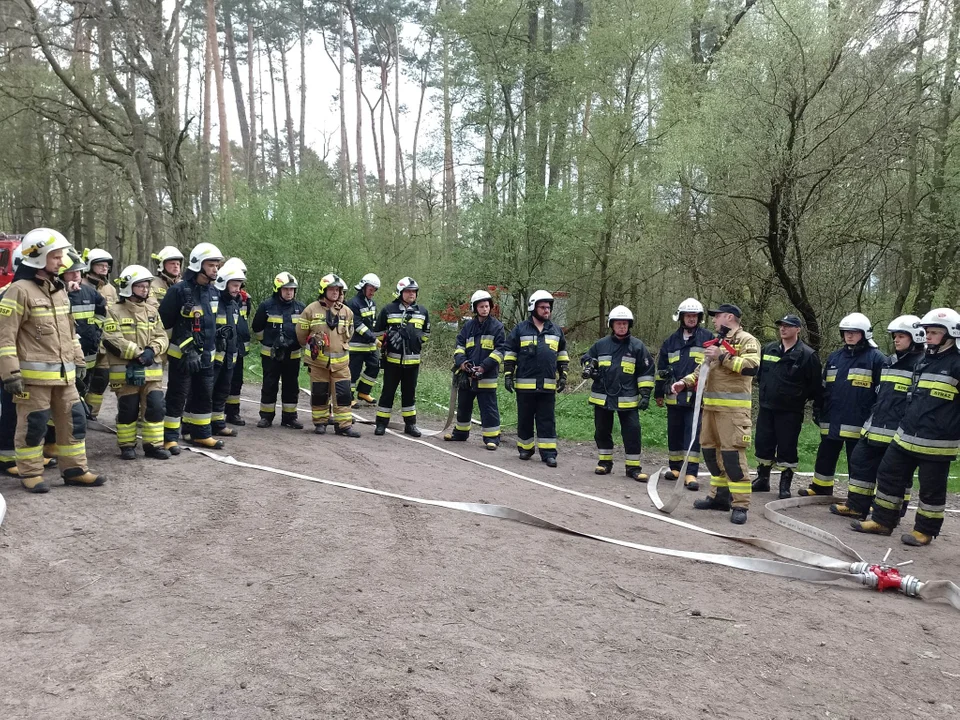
<point x="14" y="384"/>
<point x="587" y="372"/>
<point x="136" y="375"/>
<point x="466" y="367"/>
<point x="395" y="338"/>
<point x="644" y="402"/>
<point x="191" y="361"/>
<point x="81" y="372"/>
<point x="147" y="356"/>
<point x="562" y="383"/>
<point x="508" y="383"/>
<point x="315" y="345"/>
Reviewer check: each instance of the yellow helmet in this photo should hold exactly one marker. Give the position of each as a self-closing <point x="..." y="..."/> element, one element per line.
<point x="72" y="262"/>
<point x="283" y="280"/>
<point x="334" y="280"/>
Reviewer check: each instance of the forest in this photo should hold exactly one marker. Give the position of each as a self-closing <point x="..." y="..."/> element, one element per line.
<point x="785" y="155"/>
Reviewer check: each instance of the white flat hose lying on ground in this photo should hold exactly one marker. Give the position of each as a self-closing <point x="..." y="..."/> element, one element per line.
<point x="3" y="509"/>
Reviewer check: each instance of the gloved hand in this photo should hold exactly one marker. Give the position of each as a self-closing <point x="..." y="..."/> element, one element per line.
<point x="508" y="383"/>
<point x="466" y="367"/>
<point x="81" y="372"/>
<point x="147" y="356"/>
<point x="587" y="372"/>
<point x="14" y="384"/>
<point x="315" y="346"/>
<point x="191" y="361"/>
<point x="136" y="375"/>
<point x="644" y="402"/>
<point x="395" y="338"/>
<point x="562" y="382"/>
<point x="660" y="402"/>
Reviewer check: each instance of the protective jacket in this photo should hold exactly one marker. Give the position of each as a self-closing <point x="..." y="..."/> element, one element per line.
<point x="536" y="357"/>
<point x="38" y="340"/>
<point x="895" y="380"/>
<point x="89" y="310"/>
<point x="850" y="380"/>
<point x="159" y="286"/>
<point x="789" y="378"/>
<point x="105" y="288"/>
<point x="729" y="381"/>
<point x="189" y="314"/>
<point x="678" y="358"/>
<point x="364" y="318"/>
<point x="331" y="325"/>
<point x="243" y="324"/>
<point x="482" y="344"/>
<point x="131" y="326"/>
<point x="407" y="330"/>
<point x="930" y="428"/>
<point x="228" y="315"/>
<point x="626" y="372"/>
<point x="275" y="325"/>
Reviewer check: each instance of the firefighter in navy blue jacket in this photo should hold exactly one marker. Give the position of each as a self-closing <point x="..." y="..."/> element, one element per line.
<point x="680" y="354"/>
<point x="364" y="347"/>
<point x="622" y="371"/>
<point x="790" y="375"/>
<point x="275" y="326"/>
<point x="535" y="365"/>
<point x="850" y="380"/>
<point x="230" y="278"/>
<point x="476" y="361"/>
<point x="926" y="440"/>
<point x="405" y="325"/>
<point x="879" y="429"/>
<point x="189" y="314"/>
<point x="232" y="406"/>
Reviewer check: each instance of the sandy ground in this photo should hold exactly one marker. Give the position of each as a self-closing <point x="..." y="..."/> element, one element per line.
<point x="192" y="589"/>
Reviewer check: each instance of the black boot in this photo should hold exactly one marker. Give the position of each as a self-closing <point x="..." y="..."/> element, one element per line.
<point x="722" y="501"/>
<point x="786" y="479"/>
<point x="265" y="422"/>
<point x="128" y="453"/>
<point x="236" y="420"/>
<point x="347" y="432"/>
<point x="292" y="423"/>
<point x="762" y="483"/>
<point x="380" y="429"/>
<point x="320" y="429"/>
<point x="412" y="430"/>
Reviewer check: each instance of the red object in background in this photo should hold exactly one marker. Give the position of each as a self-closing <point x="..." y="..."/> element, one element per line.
<point x="8" y="243"/>
<point x="453" y="314"/>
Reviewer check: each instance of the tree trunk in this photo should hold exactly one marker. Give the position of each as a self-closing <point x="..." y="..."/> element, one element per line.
<point x="253" y="163"/>
<point x="291" y="144"/>
<point x="303" y="83"/>
<point x="400" y="174"/>
<point x="346" y="178"/>
<point x="358" y="83"/>
<point x="205" y="137"/>
<point x="237" y="84"/>
<point x="226" y="184"/>
<point x="531" y="164"/>
<point x="277" y="158"/>
<point x="449" y="180"/>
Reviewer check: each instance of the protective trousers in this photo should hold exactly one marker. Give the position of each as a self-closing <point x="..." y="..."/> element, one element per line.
<point x="629" y="430"/>
<point x="895" y="475"/>
<point x="864" y="464"/>
<point x="724" y="437"/>
<point x="232" y="405"/>
<point x="8" y="430"/>
<point x="404" y="377"/>
<point x="679" y="430"/>
<point x="537" y="410"/>
<point x="62" y="402"/>
<point x="281" y="375"/>
<point x="131" y="402"/>
<point x="321" y="380"/>
<point x="189" y="396"/>
<point x="489" y="415"/>
<point x="825" y="467"/>
<point x="364" y="368"/>
<point x="775" y="442"/>
<point x="97" y="386"/>
<point x="222" y="381"/>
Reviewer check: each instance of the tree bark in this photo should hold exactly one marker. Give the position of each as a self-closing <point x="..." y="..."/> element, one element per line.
<point x="235" y="77"/>
<point x="226" y="184"/>
<point x="291" y="142"/>
<point x="358" y="83"/>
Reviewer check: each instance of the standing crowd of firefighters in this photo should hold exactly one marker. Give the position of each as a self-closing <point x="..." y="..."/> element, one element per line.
<point x="67" y="334"/>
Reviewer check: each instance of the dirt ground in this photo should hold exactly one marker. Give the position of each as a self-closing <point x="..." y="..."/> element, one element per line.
<point x="190" y="589"/>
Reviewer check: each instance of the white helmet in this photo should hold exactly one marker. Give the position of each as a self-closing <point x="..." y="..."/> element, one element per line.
<point x="909" y="324"/>
<point x="859" y="321"/>
<point x="690" y="305"/>
<point x="943" y="317"/>
<point x="167" y="253"/>
<point x="620" y="312"/>
<point x="539" y="296"/>
<point x="203" y="251"/>
<point x="232" y="269"/>
<point x="37" y="243"/>
<point x="130" y="276"/>
<point x="17" y="257"/>
<point x="478" y="296"/>
<point x="407" y="283"/>
<point x="368" y="279"/>
<point x="97" y="255"/>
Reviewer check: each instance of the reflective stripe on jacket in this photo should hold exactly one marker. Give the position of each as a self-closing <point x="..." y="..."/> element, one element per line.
<point x="626" y="368"/>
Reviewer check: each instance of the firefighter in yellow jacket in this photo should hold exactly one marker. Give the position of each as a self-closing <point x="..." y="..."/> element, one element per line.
<point x="135" y="343"/>
<point x="40" y="357"/>
<point x="325" y="328"/>
<point x="99" y="265"/>
<point x="734" y="358"/>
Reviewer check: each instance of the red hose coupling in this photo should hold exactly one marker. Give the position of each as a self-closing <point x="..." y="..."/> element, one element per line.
<point x="888" y="578"/>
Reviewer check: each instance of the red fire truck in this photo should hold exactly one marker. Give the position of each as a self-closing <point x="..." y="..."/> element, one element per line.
<point x="8" y="243"/>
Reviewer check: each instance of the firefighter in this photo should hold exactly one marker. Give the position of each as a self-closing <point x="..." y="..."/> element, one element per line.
<point x="927" y="439"/>
<point x="135" y="342"/>
<point x="169" y="264"/>
<point x="622" y="371"/>
<point x="40" y="357"/>
<point x="895" y="379"/>
<point x="680" y="354"/>
<point x="734" y="360"/>
<point x="87" y="306"/>
<point x="325" y="328"/>
<point x="232" y="406"/>
<point x="364" y="345"/>
<point x="275" y="326"/>
<point x="99" y="264"/>
<point x="189" y="314"/>
<point x="535" y="367"/>
<point x="850" y="380"/>
<point x="406" y="326"/>
<point x="230" y="278"/>
<point x="789" y="375"/>
<point x="480" y="346"/>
